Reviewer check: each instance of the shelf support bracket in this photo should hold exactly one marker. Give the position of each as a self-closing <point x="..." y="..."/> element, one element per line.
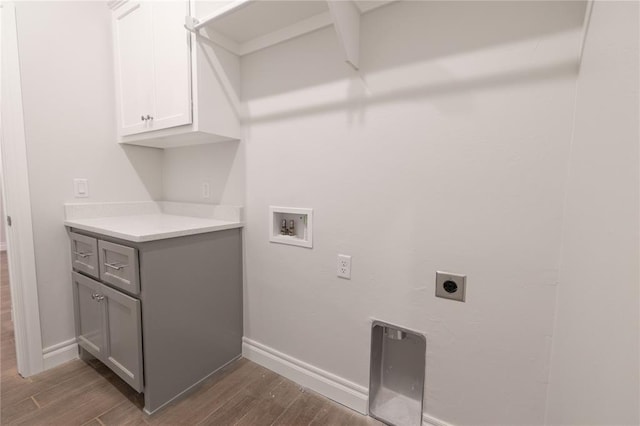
<point x="585" y="29"/>
<point x="346" y="20"/>
<point x="192" y="25"/>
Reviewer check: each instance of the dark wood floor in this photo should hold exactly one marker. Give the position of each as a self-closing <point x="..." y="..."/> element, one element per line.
<point x="79" y="393"/>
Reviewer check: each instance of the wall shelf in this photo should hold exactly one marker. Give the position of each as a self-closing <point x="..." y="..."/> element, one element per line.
<point x="245" y="26"/>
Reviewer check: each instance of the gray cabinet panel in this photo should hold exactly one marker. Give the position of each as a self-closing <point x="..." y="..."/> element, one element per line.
<point x="192" y="310"/>
<point x="124" y="336"/>
<point x="84" y="254"/>
<point x="119" y="266"/>
<point x="89" y="315"/>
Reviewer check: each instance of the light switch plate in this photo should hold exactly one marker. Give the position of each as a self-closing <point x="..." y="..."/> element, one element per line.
<point x="451" y="286"/>
<point x="81" y="188"/>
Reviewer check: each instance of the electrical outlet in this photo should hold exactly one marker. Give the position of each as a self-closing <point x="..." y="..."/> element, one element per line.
<point x="206" y="190"/>
<point x="344" y="266"/>
<point x="451" y="286"/>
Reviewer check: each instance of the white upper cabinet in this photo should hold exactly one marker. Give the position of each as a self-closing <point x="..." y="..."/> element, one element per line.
<point x="171" y="65"/>
<point x="133" y="39"/>
<point x="167" y="91"/>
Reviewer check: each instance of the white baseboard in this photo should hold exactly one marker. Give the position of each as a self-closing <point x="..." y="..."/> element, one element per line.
<point x="60" y="353"/>
<point x="327" y="384"/>
<point x="428" y="420"/>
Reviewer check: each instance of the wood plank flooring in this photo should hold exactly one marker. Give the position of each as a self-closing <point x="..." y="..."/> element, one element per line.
<point x="88" y="393"/>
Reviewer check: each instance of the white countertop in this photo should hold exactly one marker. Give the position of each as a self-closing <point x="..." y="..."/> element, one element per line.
<point x="151" y="226"/>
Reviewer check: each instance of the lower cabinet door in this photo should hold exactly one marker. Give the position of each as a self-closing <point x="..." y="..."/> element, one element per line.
<point x="89" y="314"/>
<point x="123" y="327"/>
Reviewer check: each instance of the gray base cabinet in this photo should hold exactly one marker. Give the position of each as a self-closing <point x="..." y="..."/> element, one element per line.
<point x="165" y="314"/>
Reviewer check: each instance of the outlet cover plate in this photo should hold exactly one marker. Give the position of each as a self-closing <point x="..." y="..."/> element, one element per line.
<point x="206" y="190"/>
<point x="344" y="266"/>
<point x="451" y="286"/>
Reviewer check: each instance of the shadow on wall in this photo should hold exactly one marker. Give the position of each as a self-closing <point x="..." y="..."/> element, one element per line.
<point x="186" y="169"/>
<point x="357" y="100"/>
<point x="146" y="162"/>
<point x="495" y="43"/>
<point x="178" y="174"/>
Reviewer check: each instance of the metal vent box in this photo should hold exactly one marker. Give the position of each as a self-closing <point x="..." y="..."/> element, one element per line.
<point x="396" y="379"/>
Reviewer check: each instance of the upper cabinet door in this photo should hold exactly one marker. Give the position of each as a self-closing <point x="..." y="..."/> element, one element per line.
<point x="133" y="43"/>
<point x="172" y="65"/>
<point x="153" y="66"/>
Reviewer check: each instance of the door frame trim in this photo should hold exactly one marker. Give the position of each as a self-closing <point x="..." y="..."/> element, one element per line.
<point x="17" y="202"/>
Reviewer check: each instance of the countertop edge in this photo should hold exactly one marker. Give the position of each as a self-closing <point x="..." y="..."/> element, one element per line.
<point x="153" y="237"/>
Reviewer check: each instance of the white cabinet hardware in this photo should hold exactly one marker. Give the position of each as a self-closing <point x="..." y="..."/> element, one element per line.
<point x="97" y="297"/>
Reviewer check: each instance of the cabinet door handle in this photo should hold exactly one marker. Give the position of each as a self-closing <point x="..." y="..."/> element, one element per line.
<point x="142" y="118"/>
<point x="99" y="297"/>
<point x="149" y="117"/>
<point x="116" y="266"/>
<point x="82" y="255"/>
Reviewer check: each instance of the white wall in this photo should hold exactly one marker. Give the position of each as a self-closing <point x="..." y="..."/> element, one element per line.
<point x="67" y="77"/>
<point x="595" y="364"/>
<point x="453" y="158"/>
<point x="221" y="165"/>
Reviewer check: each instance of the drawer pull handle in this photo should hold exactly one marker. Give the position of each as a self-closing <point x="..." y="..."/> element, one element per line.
<point x="82" y="254"/>
<point x="116" y="266"/>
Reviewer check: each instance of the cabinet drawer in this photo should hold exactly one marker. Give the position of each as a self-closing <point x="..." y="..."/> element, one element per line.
<point x="119" y="266"/>
<point x="84" y="254"/>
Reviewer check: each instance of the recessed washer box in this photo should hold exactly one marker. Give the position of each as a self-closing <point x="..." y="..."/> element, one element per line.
<point x="281" y="231"/>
